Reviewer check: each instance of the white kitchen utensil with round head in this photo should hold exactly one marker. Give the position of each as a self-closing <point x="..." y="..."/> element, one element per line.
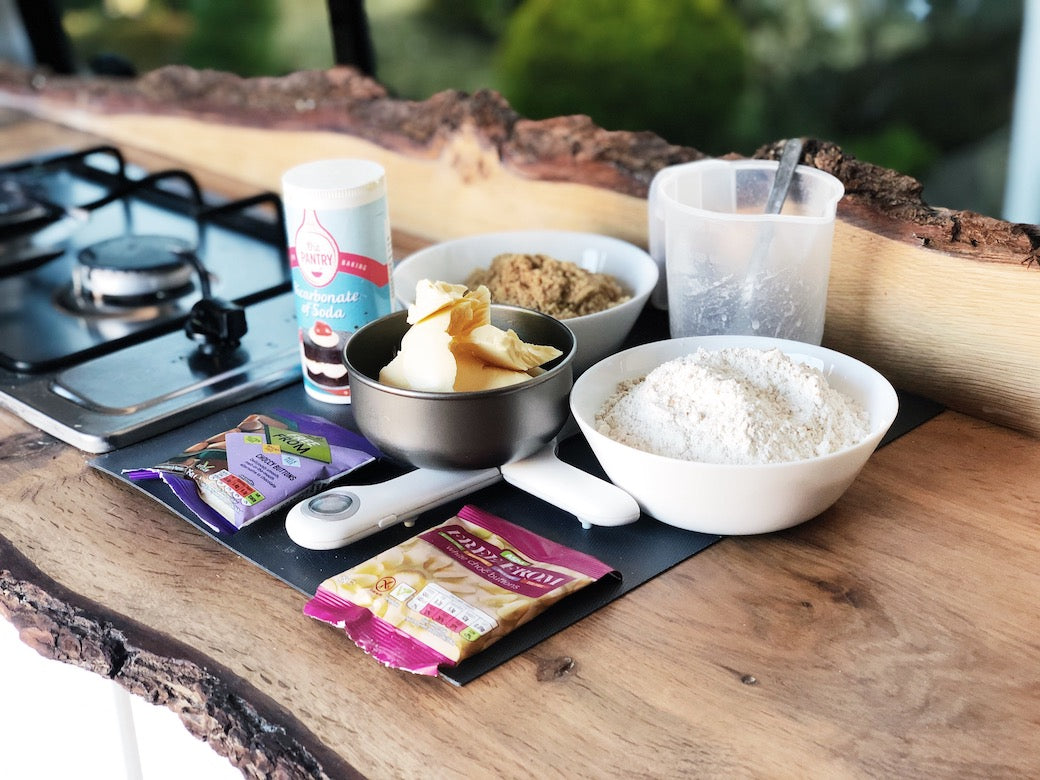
<point x="347" y="514"/>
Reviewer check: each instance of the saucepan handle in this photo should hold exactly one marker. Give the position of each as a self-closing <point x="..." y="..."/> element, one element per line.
<point x="592" y="500"/>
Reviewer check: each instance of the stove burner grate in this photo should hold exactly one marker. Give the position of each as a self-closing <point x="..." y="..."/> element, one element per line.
<point x="25" y="207"/>
<point x="21" y="212"/>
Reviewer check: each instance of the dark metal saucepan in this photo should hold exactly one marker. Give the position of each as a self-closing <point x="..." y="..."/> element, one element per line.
<point x="472" y="430"/>
<point x="457" y="439"/>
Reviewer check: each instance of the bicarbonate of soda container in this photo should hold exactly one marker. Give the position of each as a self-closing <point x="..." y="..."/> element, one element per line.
<point x="338" y="232"/>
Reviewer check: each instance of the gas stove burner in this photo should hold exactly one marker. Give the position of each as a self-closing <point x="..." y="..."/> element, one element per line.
<point x="105" y="267"/>
<point x="134" y="270"/>
<point x="20" y="212"/>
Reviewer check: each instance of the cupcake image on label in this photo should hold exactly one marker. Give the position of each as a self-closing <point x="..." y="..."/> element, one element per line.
<point x="322" y="349"/>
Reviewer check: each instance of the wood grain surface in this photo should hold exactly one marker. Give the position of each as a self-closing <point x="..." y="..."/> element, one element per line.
<point x="895" y="635"/>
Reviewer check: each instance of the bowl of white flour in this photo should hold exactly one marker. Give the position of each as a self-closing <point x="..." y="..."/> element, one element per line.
<point x="733" y="434"/>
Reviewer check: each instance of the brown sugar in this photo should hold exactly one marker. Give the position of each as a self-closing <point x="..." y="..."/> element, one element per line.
<point x="558" y="288"/>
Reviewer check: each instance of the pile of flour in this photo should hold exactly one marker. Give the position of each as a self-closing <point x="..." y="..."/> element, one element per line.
<point x="736" y="405"/>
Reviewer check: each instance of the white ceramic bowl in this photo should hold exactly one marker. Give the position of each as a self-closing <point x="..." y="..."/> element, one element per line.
<point x="599" y="334"/>
<point x="732" y="499"/>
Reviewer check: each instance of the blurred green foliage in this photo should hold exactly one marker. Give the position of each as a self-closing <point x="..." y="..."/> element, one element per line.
<point x="902" y="149"/>
<point x="247" y="37"/>
<point x="486" y="18"/>
<point x="422" y="47"/>
<point x="228" y="36"/>
<point x="156" y="36"/>
<point x="903" y="83"/>
<point x="675" y="67"/>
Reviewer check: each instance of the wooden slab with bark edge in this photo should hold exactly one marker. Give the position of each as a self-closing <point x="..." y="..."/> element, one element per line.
<point x="893" y="635"/>
<point x="940" y="301"/>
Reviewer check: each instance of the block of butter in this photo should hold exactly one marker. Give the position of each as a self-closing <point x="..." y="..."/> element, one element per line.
<point x="452" y="345"/>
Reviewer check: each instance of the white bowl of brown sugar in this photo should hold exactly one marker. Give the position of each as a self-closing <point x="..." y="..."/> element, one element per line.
<point x="596" y="284"/>
<point x="733" y="435"/>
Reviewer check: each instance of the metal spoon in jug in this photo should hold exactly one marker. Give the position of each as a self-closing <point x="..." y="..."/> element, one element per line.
<point x="789" y="158"/>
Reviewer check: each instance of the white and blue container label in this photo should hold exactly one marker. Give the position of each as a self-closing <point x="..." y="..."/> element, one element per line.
<point x="341" y="259"/>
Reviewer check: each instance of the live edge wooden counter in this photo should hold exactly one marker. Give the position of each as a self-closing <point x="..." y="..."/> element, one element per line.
<point x="895" y="635"/>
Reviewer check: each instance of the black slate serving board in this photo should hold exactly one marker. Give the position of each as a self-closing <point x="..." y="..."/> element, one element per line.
<point x="638" y="552"/>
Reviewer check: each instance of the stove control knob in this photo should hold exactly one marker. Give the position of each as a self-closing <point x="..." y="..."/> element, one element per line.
<point x="216" y="324"/>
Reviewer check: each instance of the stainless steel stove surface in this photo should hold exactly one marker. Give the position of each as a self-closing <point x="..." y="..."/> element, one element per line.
<point x="132" y="302"/>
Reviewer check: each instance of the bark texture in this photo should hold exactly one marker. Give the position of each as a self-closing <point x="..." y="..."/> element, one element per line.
<point x="239" y="722"/>
<point x="567" y="148"/>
